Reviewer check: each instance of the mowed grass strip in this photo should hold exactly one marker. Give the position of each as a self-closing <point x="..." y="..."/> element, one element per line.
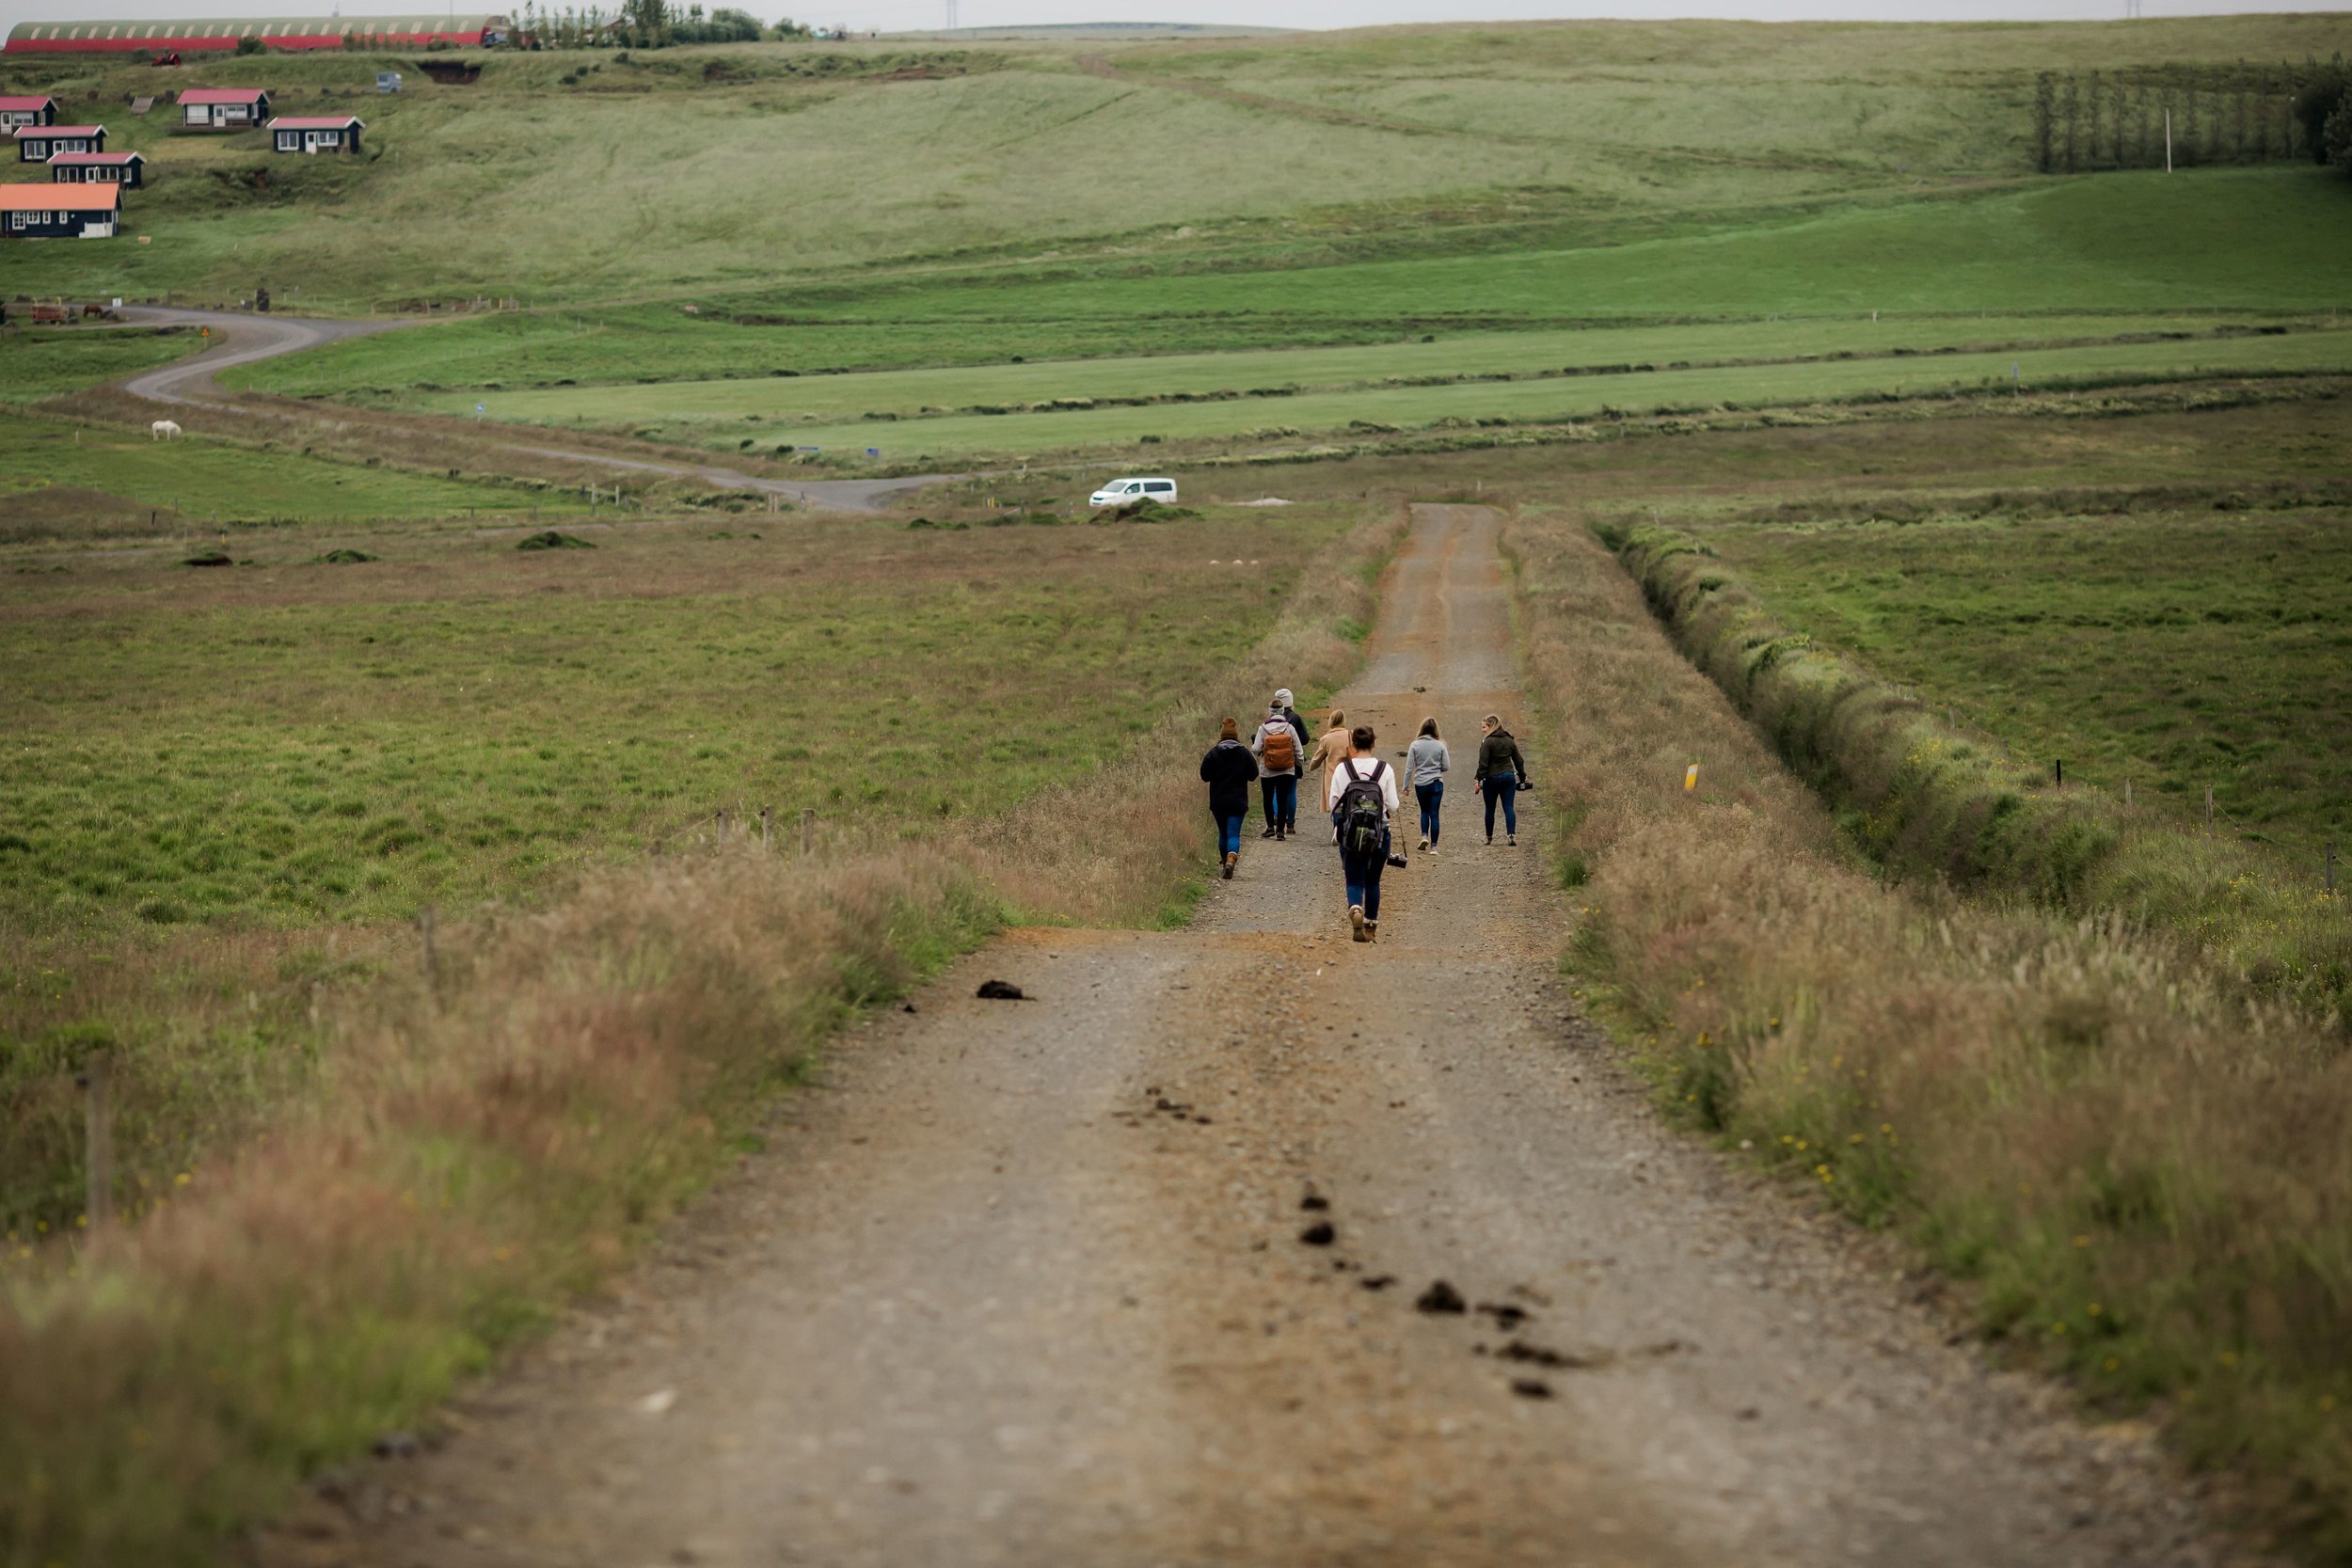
<point x="201" y="479"/>
<point x="37" y="363"/>
<point x="303" y="744"/>
<point x="972" y="436"/>
<point x="2176" y="650"/>
<point x="723" y="405"/>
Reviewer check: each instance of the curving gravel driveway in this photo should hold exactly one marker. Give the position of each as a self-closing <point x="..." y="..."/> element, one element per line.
<point x="1029" y="1284"/>
<point x="244" y="340"/>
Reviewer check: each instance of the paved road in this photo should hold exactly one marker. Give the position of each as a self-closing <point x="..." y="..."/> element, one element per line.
<point x="244" y="339"/>
<point x="1024" y="1285"/>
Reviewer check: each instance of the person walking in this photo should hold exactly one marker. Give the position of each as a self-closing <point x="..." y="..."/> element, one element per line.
<point x="1227" y="769"/>
<point x="1425" y="764"/>
<point x="1502" y="774"/>
<point x="1280" y="751"/>
<point x="1331" y="750"/>
<point x="1361" y="798"/>
<point x="1306" y="743"/>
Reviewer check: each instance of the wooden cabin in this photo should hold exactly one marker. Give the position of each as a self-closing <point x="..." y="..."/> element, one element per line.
<point x="316" y="133"/>
<point x="55" y="212"/>
<point x="127" y="169"/>
<point x="223" y="108"/>
<point x="26" y="109"/>
<point x="37" y="144"/>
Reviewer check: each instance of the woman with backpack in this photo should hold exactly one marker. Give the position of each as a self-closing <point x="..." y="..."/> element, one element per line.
<point x="1425" y="764"/>
<point x="1502" y="774"/>
<point x="1361" y="797"/>
<point x="1279" y="749"/>
<point x="1227" y="769"/>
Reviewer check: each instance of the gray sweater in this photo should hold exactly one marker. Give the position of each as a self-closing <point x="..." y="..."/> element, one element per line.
<point x="1426" y="761"/>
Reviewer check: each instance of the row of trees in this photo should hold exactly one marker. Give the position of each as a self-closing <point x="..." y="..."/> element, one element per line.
<point x="644" y="25"/>
<point x="2241" y="114"/>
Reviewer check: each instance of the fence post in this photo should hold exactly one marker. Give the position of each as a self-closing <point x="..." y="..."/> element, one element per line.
<point x="98" y="1147"/>
<point x="722" y="827"/>
<point x="764" y="815"/>
<point x="2331" y="868"/>
<point x="432" y="959"/>
<point x="2057" y="772"/>
<point x="808" y="829"/>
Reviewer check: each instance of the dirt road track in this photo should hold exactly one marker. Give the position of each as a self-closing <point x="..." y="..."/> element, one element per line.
<point x="1023" y="1285"/>
<point x="246" y="340"/>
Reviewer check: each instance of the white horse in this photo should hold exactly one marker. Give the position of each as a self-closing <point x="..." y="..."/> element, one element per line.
<point x="164" y="430"/>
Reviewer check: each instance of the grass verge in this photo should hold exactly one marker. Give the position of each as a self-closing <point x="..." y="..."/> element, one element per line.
<point x="2146" y="1175"/>
<point x="1922" y="797"/>
<point x="469" y="1149"/>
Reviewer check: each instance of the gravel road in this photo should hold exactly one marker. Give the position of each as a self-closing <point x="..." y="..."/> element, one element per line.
<point x="246" y="338"/>
<point x="1022" y="1284"/>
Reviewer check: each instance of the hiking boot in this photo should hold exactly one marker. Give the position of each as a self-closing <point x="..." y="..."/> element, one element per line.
<point x="1512" y="839"/>
<point x="1270" y="832"/>
<point x="1231" y="856"/>
<point x="1279" y="835"/>
<point x="1356" y="921"/>
<point x="1490" y="841"/>
<point x="1372" y="930"/>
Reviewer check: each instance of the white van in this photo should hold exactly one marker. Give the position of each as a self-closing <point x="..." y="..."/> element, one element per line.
<point x="1126" y="492"/>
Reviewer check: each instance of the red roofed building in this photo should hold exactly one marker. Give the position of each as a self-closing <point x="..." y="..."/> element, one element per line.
<point x="37" y="144"/>
<point x="18" y="110"/>
<point x="223" y="108"/>
<point x="127" y="169"/>
<point x="316" y="133"/>
<point x="60" y="212"/>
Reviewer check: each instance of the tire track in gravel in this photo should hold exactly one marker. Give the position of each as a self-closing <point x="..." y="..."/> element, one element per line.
<point x="1024" y="1283"/>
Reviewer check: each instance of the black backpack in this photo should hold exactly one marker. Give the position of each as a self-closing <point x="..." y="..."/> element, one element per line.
<point x="1362" y="814"/>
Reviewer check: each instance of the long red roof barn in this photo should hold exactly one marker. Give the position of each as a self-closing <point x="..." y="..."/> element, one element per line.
<point x="407" y="30"/>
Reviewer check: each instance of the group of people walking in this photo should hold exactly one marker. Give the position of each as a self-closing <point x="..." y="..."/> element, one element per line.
<point x="1359" y="792"/>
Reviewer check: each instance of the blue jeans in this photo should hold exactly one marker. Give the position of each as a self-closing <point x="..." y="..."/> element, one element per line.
<point x="1280" y="791"/>
<point x="1229" y="834"/>
<point x="1505" y="788"/>
<point x="1431" y="796"/>
<point x="1364" y="880"/>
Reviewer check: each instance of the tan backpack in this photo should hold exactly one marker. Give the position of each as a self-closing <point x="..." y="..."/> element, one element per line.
<point x="1281" y="749"/>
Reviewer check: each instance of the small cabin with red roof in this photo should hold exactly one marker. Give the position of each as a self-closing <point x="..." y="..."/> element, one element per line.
<point x="37" y="144"/>
<point x="20" y="109"/>
<point x="127" y="169"/>
<point x="223" y="108"/>
<point x="316" y="133"/>
<point x="60" y="212"/>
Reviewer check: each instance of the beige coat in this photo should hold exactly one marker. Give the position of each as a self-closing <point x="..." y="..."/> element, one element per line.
<point x="1329" y="753"/>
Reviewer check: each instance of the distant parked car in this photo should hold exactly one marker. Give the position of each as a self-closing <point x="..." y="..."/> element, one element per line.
<point x="1127" y="492"/>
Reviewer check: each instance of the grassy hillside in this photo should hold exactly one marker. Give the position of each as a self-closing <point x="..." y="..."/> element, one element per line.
<point x="576" y="177"/>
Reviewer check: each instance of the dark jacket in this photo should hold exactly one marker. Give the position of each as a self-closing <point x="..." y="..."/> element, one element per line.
<point x="1500" y="753"/>
<point x="1229" y="769"/>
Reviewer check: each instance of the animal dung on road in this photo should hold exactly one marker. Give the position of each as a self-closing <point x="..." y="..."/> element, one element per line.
<point x="1321" y="1233"/>
<point x="1377" y="1281"/>
<point x="1314" y="1203"/>
<point x="999" y="991"/>
<point x="1531" y="1387"/>
<point x="1440" y="1298"/>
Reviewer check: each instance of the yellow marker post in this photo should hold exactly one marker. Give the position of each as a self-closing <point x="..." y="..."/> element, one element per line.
<point x="1691" y="778"/>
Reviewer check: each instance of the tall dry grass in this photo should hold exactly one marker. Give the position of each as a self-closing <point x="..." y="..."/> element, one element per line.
<point x="2147" y="1174"/>
<point x="1927" y="798"/>
<point x="473" y="1147"/>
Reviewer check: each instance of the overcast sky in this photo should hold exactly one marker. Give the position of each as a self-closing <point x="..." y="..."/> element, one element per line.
<point x="898" y="15"/>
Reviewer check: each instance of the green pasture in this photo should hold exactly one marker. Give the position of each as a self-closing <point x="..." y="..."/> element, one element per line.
<point x="42" y="362"/>
<point x="297" y="743"/>
<point x="1376" y="410"/>
<point x="2176" y="649"/>
<point x="724" y="405"/>
<point x="730" y="169"/>
<point x="53" y="472"/>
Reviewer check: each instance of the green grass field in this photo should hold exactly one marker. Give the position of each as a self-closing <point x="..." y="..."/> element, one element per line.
<point x="972" y="438"/>
<point x="298" y="743"/>
<point x="58" y="479"/>
<point x="44" y="362"/>
<point x="2176" y="649"/>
